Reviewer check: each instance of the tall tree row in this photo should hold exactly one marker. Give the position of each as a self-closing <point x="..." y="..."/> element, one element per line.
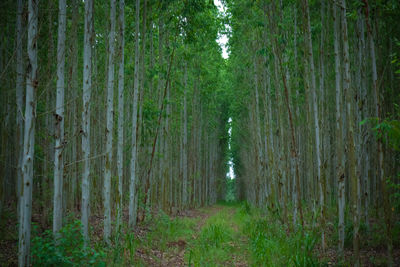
<point x="320" y="104"/>
<point x="128" y="120"/>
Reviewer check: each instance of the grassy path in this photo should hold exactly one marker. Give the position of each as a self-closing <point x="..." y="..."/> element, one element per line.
<point x="210" y="236"/>
<point x="224" y="235"/>
<point x="219" y="241"/>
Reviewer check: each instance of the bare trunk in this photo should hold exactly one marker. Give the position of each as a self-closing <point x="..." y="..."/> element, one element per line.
<point x="132" y="184"/>
<point x="29" y="139"/>
<point x="20" y="101"/>
<point x="109" y="125"/>
<point x="350" y="134"/>
<point x="316" y="119"/>
<point x="87" y="88"/>
<point x="120" y="149"/>
<point x="59" y="120"/>
<point x="184" y="151"/>
<point x="378" y="114"/>
<point x="339" y="137"/>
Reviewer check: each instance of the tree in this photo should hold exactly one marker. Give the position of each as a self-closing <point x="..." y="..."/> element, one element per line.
<point x="110" y="124"/>
<point x="29" y="138"/>
<point x="59" y="120"/>
<point x="19" y="100"/>
<point x="316" y="116"/>
<point x="120" y="156"/>
<point x="132" y="211"/>
<point x="87" y="87"/>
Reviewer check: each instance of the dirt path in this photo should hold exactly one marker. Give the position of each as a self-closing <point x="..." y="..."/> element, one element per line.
<point x="172" y="252"/>
<point x="207" y="236"/>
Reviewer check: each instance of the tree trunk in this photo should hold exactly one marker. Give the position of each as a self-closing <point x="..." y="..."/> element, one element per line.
<point x="109" y="125"/>
<point x="59" y="120"/>
<point x="339" y="137"/>
<point x="19" y="101"/>
<point x="184" y="151"/>
<point x="87" y="88"/>
<point x="316" y="118"/>
<point x="378" y="114"/>
<point x="350" y="134"/>
<point x="120" y="149"/>
<point x="29" y="138"/>
<point x="132" y="211"/>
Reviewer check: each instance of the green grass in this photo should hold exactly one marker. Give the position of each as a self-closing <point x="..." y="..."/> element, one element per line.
<point x="214" y="244"/>
<point x="162" y="230"/>
<point x="234" y="234"/>
<point x="270" y="243"/>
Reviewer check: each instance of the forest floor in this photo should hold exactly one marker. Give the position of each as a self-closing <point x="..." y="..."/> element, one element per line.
<point x="209" y="236"/>
<point x="237" y="235"/>
<point x="219" y="235"/>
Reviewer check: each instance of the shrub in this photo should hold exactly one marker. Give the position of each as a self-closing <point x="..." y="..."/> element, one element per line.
<point x="69" y="250"/>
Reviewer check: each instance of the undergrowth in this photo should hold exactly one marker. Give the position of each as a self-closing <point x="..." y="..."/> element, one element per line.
<point x="214" y="244"/>
<point x="271" y="243"/>
<point x="69" y="250"/>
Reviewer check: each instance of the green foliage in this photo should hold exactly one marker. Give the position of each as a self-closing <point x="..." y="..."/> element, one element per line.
<point x="166" y="230"/>
<point x="230" y="195"/>
<point x="213" y="246"/>
<point x="271" y="243"/>
<point x="395" y="195"/>
<point x="69" y="250"/>
<point x="245" y="208"/>
<point x="214" y="235"/>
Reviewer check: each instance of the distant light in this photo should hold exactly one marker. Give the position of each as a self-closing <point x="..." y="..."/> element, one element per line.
<point x="222" y="38"/>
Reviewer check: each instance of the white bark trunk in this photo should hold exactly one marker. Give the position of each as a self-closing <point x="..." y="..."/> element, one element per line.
<point x="120" y="149"/>
<point x="316" y="118"/>
<point x="132" y="211"/>
<point x="109" y="125"/>
<point x="185" y="162"/>
<point x="29" y="138"/>
<point x="19" y="101"/>
<point x="59" y="120"/>
<point x="87" y="87"/>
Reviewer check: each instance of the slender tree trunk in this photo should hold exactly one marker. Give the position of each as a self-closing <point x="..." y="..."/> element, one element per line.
<point x="87" y="88"/>
<point x="59" y="120"/>
<point x="339" y="138"/>
<point x="120" y="150"/>
<point x="351" y="146"/>
<point x="109" y="125"/>
<point x="378" y="114"/>
<point x="20" y="100"/>
<point x="316" y="118"/>
<point x="29" y="138"/>
<point x="132" y="185"/>
<point x="73" y="87"/>
<point x="184" y="151"/>
<point x="258" y="147"/>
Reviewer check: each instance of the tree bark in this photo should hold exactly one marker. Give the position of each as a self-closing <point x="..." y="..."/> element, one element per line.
<point x="59" y="121"/>
<point x="19" y="101"/>
<point x="29" y="138"/>
<point x="316" y="118"/>
<point x="120" y="149"/>
<point x="339" y="137"/>
<point x="132" y="184"/>
<point x="109" y="125"/>
<point x="87" y="88"/>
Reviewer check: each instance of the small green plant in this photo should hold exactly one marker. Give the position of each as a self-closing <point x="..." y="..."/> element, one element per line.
<point x="69" y="250"/>
<point x="273" y="244"/>
<point x="245" y="208"/>
<point x="215" y="235"/>
<point x="305" y="245"/>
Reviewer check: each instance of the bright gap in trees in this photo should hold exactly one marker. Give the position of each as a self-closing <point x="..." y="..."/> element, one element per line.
<point x="223" y="38"/>
<point x="231" y="173"/>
